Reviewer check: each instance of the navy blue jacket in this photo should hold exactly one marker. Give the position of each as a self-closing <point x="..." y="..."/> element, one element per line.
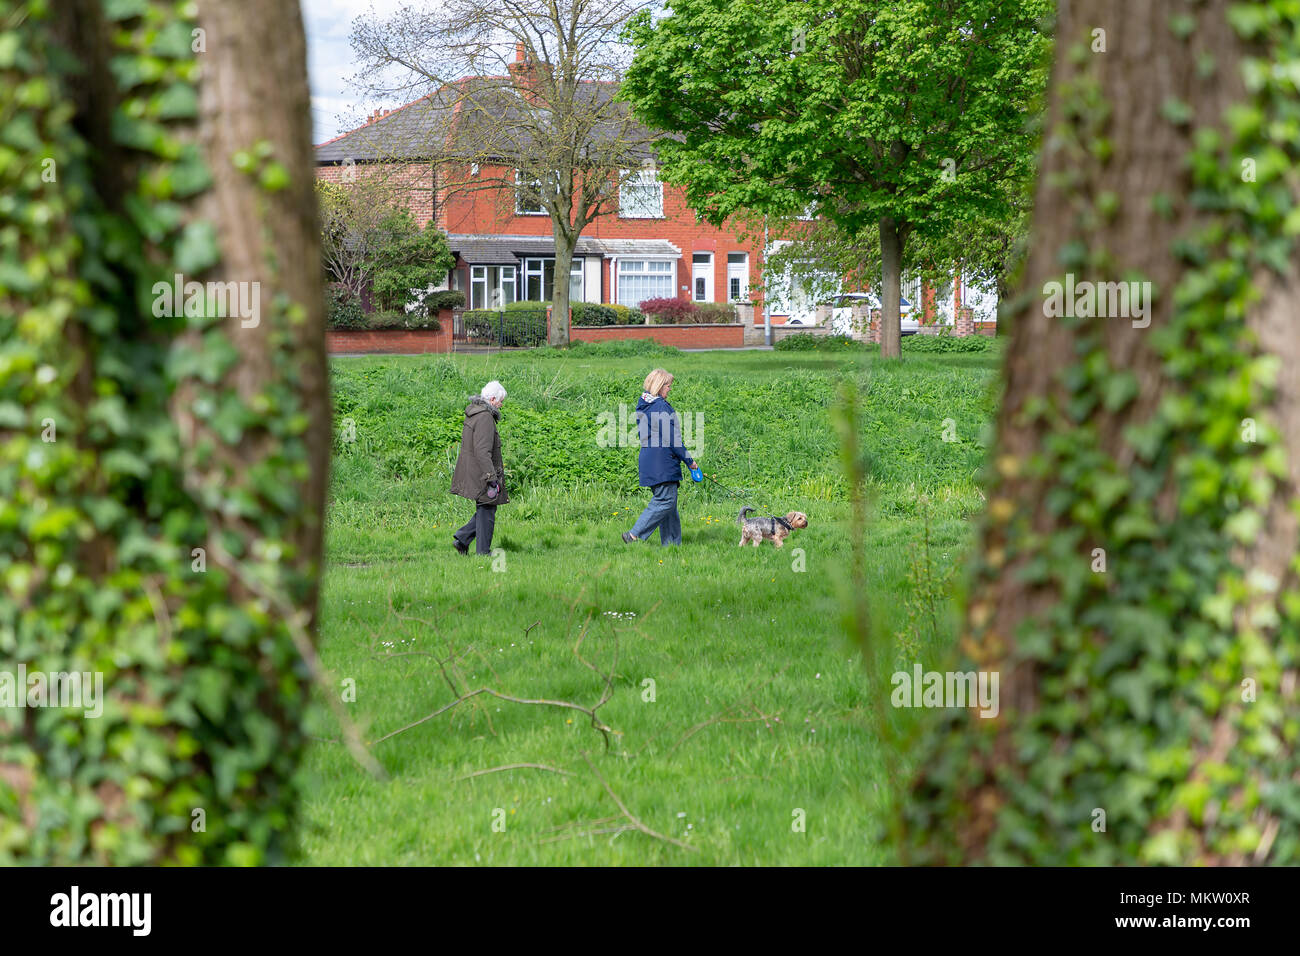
<point x="662" y="451"/>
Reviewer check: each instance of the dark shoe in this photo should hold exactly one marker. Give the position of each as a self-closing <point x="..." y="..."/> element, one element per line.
<point x="462" y="548"/>
<point x="628" y="537"/>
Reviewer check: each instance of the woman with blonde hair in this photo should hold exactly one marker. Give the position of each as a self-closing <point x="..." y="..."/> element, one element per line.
<point x="660" y="461"/>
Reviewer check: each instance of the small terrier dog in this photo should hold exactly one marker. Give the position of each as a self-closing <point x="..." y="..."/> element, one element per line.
<point x="772" y="529"/>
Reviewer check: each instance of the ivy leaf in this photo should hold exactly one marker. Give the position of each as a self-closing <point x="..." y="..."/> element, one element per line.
<point x="198" y="249"/>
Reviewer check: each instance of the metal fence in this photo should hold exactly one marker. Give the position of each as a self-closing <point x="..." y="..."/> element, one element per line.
<point x="485" y="330"/>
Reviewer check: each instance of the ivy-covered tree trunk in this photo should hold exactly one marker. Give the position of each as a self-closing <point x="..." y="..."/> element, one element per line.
<point x="164" y="429"/>
<point x="1136" y="589"/>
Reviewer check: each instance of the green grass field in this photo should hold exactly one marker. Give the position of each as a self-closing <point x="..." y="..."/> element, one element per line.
<point x="735" y="703"/>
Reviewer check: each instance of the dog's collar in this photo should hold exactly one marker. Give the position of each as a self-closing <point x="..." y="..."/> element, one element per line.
<point x="785" y="524"/>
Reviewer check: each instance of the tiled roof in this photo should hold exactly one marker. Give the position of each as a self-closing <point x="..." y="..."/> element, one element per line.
<point x="475" y="107"/>
<point x="414" y="131"/>
<point x="503" y="250"/>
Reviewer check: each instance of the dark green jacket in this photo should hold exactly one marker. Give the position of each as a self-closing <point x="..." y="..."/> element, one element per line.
<point x="479" y="460"/>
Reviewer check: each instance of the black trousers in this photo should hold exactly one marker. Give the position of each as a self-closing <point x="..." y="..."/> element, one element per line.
<point x="479" y="527"/>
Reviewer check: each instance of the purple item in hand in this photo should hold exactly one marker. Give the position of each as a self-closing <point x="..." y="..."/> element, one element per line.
<point x="492" y="489"/>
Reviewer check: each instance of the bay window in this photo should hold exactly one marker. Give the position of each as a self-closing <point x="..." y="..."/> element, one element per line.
<point x="491" y="287"/>
<point x="539" y="279"/>
<point x="641" y="279"/>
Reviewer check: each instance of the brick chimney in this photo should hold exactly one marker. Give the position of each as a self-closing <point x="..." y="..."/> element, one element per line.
<point x="525" y="70"/>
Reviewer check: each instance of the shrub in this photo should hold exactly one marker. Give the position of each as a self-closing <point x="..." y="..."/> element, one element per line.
<point x="519" y="325"/>
<point x="342" y="308"/>
<point x="799" y="342"/>
<point x="947" y="343"/>
<point x="435" y="302"/>
<point x="405" y="259"/>
<point x="716" y="312"/>
<point x="402" y="320"/>
<point x="594" y="313"/>
<point x="808" y="342"/>
<point x="480" y="324"/>
<point x="626" y="315"/>
<point x="676" y="311"/>
<point x="622" y="348"/>
<point x="523" y="328"/>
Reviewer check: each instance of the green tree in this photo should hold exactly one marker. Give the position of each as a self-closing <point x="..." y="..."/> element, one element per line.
<point x="405" y="260"/>
<point x="1137" y="587"/>
<point x="909" y="117"/>
<point x="985" y="252"/>
<point x="350" y="216"/>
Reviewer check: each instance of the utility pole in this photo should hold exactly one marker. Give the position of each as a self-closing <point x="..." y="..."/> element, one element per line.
<point x="767" y="308"/>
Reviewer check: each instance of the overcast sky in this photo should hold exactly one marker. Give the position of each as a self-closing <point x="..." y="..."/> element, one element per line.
<point x="334" y="107"/>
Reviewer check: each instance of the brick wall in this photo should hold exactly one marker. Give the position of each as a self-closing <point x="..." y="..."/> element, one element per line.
<point x="411" y="181"/>
<point x="681" y="336"/>
<point x="424" y="341"/>
<point x="392" y="341"/>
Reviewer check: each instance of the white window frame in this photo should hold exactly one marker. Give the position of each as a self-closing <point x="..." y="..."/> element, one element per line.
<point x="705" y="271"/>
<point x="640" y="194"/>
<point x="577" y="280"/>
<point x="639" y="279"/>
<point x="535" y="267"/>
<point x="738" y="277"/>
<point x="487" y="294"/>
<point x="520" y="185"/>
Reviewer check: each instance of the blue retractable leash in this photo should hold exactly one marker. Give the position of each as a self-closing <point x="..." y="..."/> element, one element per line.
<point x="730" y="492"/>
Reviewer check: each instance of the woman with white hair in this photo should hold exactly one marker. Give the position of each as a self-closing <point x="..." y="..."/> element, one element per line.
<point x="480" y="475"/>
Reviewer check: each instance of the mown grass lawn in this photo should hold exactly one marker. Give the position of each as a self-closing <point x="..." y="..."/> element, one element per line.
<point x="736" y="704"/>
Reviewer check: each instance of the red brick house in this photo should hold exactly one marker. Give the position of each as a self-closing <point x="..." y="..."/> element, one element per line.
<point x="651" y="246"/>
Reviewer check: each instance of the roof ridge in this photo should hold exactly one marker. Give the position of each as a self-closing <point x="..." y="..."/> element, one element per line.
<point x="456" y="109"/>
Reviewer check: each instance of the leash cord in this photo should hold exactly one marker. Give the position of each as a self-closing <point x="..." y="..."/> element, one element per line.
<point x="731" y="492"/>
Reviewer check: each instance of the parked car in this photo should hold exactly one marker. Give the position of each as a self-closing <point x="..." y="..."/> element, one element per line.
<point x="842" y="312"/>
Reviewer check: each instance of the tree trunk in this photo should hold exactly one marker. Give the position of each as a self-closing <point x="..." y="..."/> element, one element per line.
<point x="254" y="90"/>
<point x="186" y="452"/>
<point x="891" y="288"/>
<point x="565" y="242"/>
<point x="1135" y="590"/>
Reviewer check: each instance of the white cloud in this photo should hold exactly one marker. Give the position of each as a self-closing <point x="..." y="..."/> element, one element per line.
<point x="330" y="62"/>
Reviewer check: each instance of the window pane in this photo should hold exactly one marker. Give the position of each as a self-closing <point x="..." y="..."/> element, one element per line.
<point x="528" y="194"/>
<point x="644" y="279"/>
<point x="575" y="280"/>
<point x="641" y="196"/>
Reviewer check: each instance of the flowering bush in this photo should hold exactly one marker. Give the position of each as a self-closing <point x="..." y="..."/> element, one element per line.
<point x="670" y="311"/>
